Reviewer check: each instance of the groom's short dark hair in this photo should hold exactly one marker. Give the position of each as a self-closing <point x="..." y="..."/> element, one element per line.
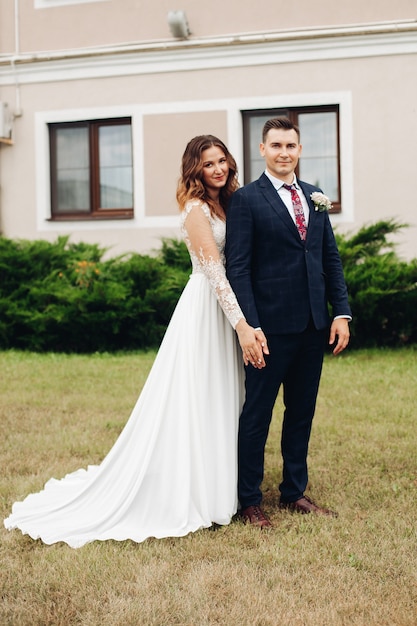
<point x="279" y="123"/>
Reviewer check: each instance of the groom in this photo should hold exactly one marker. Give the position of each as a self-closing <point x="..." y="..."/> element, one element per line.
<point x="284" y="267"/>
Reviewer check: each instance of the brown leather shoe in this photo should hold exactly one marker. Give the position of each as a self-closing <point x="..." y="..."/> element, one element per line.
<point x="304" y="505"/>
<point x="255" y="516"/>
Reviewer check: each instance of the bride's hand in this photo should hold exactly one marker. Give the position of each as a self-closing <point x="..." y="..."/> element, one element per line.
<point x="253" y="343"/>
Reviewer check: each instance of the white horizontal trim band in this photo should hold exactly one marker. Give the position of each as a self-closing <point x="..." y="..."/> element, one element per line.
<point x="233" y="51"/>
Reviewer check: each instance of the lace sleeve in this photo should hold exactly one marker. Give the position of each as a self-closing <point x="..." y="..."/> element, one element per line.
<point x="203" y="247"/>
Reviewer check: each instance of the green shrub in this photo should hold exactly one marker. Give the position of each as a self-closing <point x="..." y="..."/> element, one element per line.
<point x="174" y="253"/>
<point x="382" y="288"/>
<point x="64" y="297"/>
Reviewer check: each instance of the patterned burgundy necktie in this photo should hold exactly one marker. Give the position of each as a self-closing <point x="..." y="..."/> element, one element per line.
<point x="298" y="211"/>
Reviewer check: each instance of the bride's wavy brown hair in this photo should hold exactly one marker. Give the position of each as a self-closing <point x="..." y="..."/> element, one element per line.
<point x="190" y="185"/>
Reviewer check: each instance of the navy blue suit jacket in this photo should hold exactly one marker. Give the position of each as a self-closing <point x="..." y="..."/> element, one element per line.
<point x="280" y="281"/>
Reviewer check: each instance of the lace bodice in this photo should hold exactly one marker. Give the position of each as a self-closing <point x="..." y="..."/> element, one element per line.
<point x="204" y="236"/>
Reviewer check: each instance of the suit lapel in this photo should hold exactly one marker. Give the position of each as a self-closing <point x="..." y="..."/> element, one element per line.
<point x="277" y="204"/>
<point x="313" y="214"/>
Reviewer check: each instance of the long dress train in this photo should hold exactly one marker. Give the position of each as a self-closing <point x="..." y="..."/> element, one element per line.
<point x="173" y="469"/>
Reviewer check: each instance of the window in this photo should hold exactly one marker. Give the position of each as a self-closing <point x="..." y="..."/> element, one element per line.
<point x="91" y="170"/>
<point x="320" y="160"/>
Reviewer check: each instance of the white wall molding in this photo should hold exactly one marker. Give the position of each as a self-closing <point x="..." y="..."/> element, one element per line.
<point x="47" y="4"/>
<point x="224" y="52"/>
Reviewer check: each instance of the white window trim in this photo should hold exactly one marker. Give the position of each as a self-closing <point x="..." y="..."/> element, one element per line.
<point x="233" y="107"/>
<point x="43" y="183"/>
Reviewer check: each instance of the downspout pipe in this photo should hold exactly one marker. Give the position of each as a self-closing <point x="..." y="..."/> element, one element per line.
<point x="17" y="110"/>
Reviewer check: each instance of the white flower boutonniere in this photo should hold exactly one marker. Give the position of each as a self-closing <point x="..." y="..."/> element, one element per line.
<point x="320" y="201"/>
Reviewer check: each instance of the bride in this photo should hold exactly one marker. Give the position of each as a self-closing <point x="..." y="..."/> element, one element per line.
<point x="173" y="468"/>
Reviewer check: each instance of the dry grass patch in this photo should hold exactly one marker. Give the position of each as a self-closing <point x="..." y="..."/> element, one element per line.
<point x="61" y="412"/>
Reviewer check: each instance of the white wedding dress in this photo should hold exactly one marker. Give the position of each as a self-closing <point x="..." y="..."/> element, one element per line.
<point x="173" y="469"/>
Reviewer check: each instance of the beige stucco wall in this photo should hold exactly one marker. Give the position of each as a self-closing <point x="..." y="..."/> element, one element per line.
<point x="164" y="151"/>
<point x="115" y="21"/>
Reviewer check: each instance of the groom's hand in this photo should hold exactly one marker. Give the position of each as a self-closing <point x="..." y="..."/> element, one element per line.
<point x="261" y="339"/>
<point x="339" y="335"/>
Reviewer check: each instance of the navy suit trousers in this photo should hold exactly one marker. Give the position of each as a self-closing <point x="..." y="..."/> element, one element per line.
<point x="295" y="361"/>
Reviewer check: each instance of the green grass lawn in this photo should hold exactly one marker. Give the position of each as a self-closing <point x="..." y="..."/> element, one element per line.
<point x="62" y="412"/>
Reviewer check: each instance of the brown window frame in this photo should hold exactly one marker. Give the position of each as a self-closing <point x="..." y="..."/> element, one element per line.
<point x="95" y="213"/>
<point x="292" y="113"/>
